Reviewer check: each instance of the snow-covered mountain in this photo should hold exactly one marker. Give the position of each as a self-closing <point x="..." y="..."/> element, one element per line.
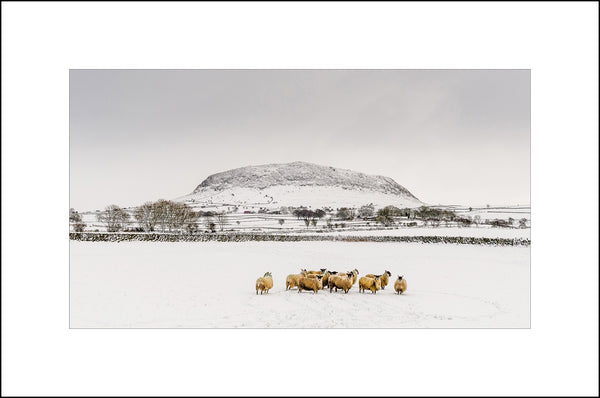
<point x="299" y="184"/>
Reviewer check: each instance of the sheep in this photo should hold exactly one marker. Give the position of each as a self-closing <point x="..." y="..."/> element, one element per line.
<point x="292" y="279"/>
<point x="385" y="278"/>
<point x="343" y="282"/>
<point x="326" y="277"/>
<point x="314" y="276"/>
<point x="264" y="283"/>
<point x="367" y="283"/>
<point x="354" y="276"/>
<point x="400" y="285"/>
<point x="321" y="272"/>
<point x="307" y="283"/>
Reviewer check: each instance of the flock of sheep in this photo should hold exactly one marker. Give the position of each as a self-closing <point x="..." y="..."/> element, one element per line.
<point x="317" y="280"/>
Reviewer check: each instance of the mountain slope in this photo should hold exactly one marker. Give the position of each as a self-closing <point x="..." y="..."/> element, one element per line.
<point x="299" y="184"/>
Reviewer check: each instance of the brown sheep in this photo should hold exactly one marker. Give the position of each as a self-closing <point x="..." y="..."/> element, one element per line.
<point x="343" y="282"/>
<point x="321" y="272"/>
<point x="367" y="283"/>
<point x="307" y="283"/>
<point x="354" y="276"/>
<point x="292" y="280"/>
<point x="385" y="278"/>
<point x="325" y="279"/>
<point x="400" y="285"/>
<point x="264" y="283"/>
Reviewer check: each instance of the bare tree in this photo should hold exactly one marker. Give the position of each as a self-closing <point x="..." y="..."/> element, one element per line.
<point x="209" y="223"/>
<point x="185" y="217"/>
<point x="161" y="213"/>
<point x="523" y="223"/>
<point x="146" y="216"/>
<point x="309" y="216"/>
<point x="75" y="219"/>
<point x="221" y="219"/>
<point x="74" y="216"/>
<point x="79" y="227"/>
<point x="385" y="216"/>
<point x="345" y="214"/>
<point x="366" y="211"/>
<point x="329" y="222"/>
<point x="114" y="217"/>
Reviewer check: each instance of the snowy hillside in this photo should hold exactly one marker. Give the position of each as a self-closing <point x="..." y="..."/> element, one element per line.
<point x="299" y="184"/>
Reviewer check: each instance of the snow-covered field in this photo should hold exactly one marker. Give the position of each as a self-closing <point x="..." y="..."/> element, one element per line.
<point x="259" y="222"/>
<point x="211" y="285"/>
<point x="476" y="232"/>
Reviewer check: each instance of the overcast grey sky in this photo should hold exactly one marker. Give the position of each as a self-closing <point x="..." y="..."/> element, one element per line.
<point x="448" y="136"/>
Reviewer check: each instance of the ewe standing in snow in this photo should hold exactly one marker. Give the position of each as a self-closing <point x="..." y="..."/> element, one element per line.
<point x="354" y="276"/>
<point x="308" y="283"/>
<point x="385" y="278"/>
<point x="264" y="283"/>
<point x="400" y="285"/>
<point x="325" y="279"/>
<point x="292" y="279"/>
<point x="343" y="282"/>
<point x="367" y="283"/>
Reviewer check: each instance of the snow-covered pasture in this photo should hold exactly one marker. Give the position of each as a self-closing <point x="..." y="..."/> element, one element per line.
<point x="212" y="285"/>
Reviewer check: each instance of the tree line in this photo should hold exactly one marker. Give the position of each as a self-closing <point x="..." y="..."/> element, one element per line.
<point x="159" y="216"/>
<point x="169" y="216"/>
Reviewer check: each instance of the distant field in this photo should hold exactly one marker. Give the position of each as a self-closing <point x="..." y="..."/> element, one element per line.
<point x="255" y="222"/>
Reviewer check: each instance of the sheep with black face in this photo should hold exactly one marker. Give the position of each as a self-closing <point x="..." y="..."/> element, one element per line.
<point x="400" y="285"/>
<point x="308" y="283"/>
<point x="385" y="278"/>
<point x="343" y="281"/>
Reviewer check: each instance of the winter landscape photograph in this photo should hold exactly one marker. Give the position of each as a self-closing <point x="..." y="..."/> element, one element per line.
<point x="299" y="198"/>
<point x="245" y="179"/>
